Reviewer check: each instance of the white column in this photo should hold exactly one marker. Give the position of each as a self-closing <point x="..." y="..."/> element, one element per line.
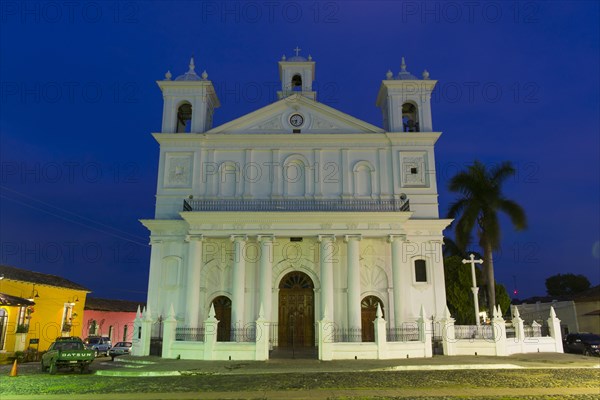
<point x="194" y="266"/>
<point x="238" y="281"/>
<point x="155" y="274"/>
<point x="266" y="273"/>
<point x="327" y="252"/>
<point x="353" y="258"/>
<point x="396" y="243"/>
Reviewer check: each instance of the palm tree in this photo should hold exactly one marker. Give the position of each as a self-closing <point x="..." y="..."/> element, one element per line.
<point x="482" y="199"/>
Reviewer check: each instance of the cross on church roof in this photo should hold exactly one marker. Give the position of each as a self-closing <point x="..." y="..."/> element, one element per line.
<point x="297" y="50"/>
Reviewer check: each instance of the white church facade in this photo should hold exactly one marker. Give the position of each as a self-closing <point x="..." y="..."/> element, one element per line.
<point x="295" y="226"/>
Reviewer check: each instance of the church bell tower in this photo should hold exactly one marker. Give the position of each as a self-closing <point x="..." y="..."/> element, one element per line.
<point x="297" y="75"/>
<point x="189" y="102"/>
<point x="405" y="101"/>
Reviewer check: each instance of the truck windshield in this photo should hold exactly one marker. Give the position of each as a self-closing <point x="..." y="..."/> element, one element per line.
<point x="68" y="346"/>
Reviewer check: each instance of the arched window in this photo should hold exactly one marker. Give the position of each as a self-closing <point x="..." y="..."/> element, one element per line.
<point x="184" y="118"/>
<point x="296" y="280"/>
<point x="93" y="329"/>
<point x="410" y="118"/>
<point x="297" y="83"/>
<point x="420" y="271"/>
<point x="368" y="308"/>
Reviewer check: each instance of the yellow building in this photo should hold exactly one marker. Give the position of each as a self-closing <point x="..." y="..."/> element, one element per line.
<point x="36" y="308"/>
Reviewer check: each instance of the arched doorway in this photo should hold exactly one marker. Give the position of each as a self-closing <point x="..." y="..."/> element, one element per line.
<point x="296" y="311"/>
<point x="368" y="307"/>
<point x="222" y="306"/>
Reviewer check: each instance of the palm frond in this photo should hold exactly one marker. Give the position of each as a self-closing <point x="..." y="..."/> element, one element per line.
<point x="457" y="207"/>
<point x="501" y="172"/>
<point x="515" y="212"/>
<point x="465" y="224"/>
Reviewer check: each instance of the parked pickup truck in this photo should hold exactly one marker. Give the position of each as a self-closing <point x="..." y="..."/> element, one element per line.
<point x="67" y="352"/>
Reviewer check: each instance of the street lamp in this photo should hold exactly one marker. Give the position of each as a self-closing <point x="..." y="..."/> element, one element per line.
<point x="474" y="289"/>
<point x="73" y="300"/>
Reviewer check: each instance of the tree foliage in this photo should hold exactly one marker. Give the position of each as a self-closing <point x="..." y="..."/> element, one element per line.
<point x="477" y="209"/>
<point x="459" y="296"/>
<point x="502" y="298"/>
<point x="567" y="284"/>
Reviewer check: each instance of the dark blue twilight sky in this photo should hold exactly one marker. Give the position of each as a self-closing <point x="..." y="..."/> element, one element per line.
<point x="518" y="81"/>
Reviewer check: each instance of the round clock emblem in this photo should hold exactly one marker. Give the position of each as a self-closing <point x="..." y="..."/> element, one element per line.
<point x="296" y="120"/>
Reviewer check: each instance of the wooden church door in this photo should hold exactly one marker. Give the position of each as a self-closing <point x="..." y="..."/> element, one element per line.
<point x="296" y="311"/>
<point x="368" y="308"/>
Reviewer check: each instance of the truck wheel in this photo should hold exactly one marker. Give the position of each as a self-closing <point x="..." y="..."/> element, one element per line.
<point x="52" y="368"/>
<point x="84" y="369"/>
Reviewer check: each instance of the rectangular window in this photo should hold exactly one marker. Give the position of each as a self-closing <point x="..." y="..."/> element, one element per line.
<point x="21" y="318"/>
<point x="420" y="271"/>
<point x="67" y="318"/>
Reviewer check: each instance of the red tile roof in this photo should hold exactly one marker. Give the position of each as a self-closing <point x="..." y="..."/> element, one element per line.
<point x="93" y="303"/>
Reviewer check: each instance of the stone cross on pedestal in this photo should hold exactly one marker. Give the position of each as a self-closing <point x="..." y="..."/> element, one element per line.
<point x="297" y="50"/>
<point x="475" y="289"/>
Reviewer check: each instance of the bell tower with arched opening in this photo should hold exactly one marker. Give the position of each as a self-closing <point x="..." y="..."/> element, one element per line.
<point x="297" y="75"/>
<point x="405" y="101"/>
<point x="189" y="102"/>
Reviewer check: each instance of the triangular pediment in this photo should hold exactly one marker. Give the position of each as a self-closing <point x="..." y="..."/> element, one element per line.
<point x="316" y="118"/>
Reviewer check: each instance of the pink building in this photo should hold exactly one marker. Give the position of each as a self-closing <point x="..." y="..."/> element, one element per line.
<point x="108" y="317"/>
